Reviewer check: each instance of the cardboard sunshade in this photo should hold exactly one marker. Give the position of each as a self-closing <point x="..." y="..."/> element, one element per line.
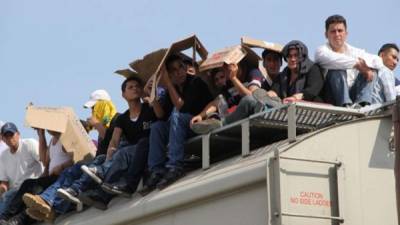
<point x="251" y="42"/>
<point x="229" y="55"/>
<point x="149" y="67"/>
<point x="73" y="137"/>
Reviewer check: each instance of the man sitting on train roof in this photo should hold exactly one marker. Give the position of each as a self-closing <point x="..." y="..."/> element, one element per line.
<point x="301" y="79"/>
<point x="188" y="95"/>
<point x="352" y="73"/>
<point x="56" y="160"/>
<point x="19" y="162"/>
<point x="248" y="104"/>
<point x="390" y="56"/>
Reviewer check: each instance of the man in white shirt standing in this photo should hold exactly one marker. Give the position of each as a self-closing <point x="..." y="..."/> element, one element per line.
<point x="18" y="162"/>
<point x="354" y="76"/>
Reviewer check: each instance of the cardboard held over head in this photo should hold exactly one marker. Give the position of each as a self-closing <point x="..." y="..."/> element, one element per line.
<point x="251" y="42"/>
<point x="148" y="68"/>
<point x="73" y="137"/>
<point x="230" y="55"/>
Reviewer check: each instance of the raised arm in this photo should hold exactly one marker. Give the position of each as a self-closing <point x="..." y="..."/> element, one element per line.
<point x="232" y="71"/>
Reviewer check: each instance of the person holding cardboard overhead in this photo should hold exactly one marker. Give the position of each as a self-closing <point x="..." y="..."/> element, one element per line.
<point x="56" y="159"/>
<point x="188" y="94"/>
<point x="20" y="161"/>
<point x="246" y="105"/>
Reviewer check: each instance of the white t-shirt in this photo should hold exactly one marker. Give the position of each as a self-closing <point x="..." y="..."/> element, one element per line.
<point x="57" y="155"/>
<point x="3" y="146"/>
<point x="22" y="165"/>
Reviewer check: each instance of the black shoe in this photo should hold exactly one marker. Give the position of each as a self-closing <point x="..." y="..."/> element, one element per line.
<point x="92" y="173"/>
<point x="170" y="177"/>
<point x="90" y="199"/>
<point x="115" y="189"/>
<point x="151" y="183"/>
<point x="70" y="195"/>
<point x="20" y="219"/>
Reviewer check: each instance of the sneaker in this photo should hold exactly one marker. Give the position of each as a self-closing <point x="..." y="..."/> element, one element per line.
<point x="206" y="126"/>
<point x="170" y="177"/>
<point x="39" y="216"/>
<point x="117" y="190"/>
<point x="92" y="173"/>
<point x="36" y="202"/>
<point x="92" y="200"/>
<point x="70" y="195"/>
<point x="151" y="183"/>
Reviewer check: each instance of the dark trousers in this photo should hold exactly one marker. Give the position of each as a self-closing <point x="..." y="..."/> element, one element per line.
<point x="127" y="167"/>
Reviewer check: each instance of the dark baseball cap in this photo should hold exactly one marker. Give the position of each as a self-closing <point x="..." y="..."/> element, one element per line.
<point x="8" y="128"/>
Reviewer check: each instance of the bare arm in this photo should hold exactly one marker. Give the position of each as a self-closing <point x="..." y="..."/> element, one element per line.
<point x="3" y="187"/>
<point x="98" y="126"/>
<point x="112" y="146"/>
<point x="173" y="94"/>
<point x="43" y="157"/>
<point x="232" y="70"/>
<point x="210" y="108"/>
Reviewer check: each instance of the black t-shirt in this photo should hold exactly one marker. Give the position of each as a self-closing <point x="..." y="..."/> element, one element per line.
<point x="135" y="130"/>
<point x="103" y="144"/>
<point x="195" y="95"/>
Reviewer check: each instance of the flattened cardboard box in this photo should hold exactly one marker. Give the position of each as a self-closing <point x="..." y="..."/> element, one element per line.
<point x="251" y="42"/>
<point x="149" y="66"/>
<point x="229" y="55"/>
<point x="74" y="138"/>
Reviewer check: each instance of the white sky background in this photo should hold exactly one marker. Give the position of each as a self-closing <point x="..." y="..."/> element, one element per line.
<point x="56" y="52"/>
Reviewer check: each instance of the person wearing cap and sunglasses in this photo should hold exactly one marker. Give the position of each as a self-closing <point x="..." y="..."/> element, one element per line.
<point x="20" y="161"/>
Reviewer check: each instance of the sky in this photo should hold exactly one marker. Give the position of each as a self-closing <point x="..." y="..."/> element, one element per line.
<point x="56" y="52"/>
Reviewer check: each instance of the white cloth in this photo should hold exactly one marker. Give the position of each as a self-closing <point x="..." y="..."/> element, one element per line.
<point x="3" y="146"/>
<point x="57" y="155"/>
<point x="22" y="165"/>
<point x="330" y="60"/>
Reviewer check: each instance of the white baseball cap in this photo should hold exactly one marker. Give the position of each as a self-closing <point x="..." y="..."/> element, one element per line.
<point x="95" y="96"/>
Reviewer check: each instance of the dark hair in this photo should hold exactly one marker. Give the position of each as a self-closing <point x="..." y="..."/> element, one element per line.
<point x="388" y="46"/>
<point x="137" y="79"/>
<point x="268" y="52"/>
<point x="335" y="19"/>
<point x="172" y="58"/>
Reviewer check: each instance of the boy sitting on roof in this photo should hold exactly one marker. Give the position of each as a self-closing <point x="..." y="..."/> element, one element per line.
<point x="128" y="160"/>
<point x="188" y="95"/>
<point x="247" y="105"/>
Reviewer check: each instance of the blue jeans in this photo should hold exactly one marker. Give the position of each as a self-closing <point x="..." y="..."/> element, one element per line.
<point x="70" y="177"/>
<point x="170" y="135"/>
<point x="341" y="94"/>
<point x="128" y="164"/>
<point x="6" y="198"/>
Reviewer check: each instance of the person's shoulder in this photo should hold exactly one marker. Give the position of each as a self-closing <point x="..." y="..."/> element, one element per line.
<point x="30" y="141"/>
